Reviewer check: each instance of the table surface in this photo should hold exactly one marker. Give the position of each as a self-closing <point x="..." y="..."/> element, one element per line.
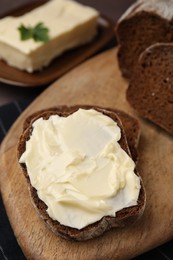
<point x="111" y="8"/>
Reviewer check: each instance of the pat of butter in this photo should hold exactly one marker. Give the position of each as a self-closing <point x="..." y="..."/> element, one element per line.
<point x="70" y="24"/>
<point x="79" y="169"/>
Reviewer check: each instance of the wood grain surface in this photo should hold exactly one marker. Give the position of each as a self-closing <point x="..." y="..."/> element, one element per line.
<point x="99" y="82"/>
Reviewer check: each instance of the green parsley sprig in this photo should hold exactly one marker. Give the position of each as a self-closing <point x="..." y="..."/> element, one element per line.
<point x="39" y="33"/>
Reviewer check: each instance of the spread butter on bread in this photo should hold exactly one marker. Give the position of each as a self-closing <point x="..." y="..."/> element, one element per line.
<point x="79" y="219"/>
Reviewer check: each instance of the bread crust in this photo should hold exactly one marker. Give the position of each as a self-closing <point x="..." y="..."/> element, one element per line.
<point x="123" y="217"/>
<point x="145" y="23"/>
<point x="150" y="90"/>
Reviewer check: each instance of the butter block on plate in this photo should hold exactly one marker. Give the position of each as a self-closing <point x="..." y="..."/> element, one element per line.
<point x="69" y="25"/>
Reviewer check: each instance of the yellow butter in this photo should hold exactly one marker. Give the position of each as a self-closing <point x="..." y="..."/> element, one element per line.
<point x="79" y="169"/>
<point x="70" y="24"/>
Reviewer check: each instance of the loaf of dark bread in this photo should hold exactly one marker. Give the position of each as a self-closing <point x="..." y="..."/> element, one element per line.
<point x="150" y="90"/>
<point x="146" y="22"/>
<point x="123" y="217"/>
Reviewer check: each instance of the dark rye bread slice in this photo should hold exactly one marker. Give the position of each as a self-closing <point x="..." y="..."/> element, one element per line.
<point x="150" y="90"/>
<point x="146" y="22"/>
<point x="124" y="217"/>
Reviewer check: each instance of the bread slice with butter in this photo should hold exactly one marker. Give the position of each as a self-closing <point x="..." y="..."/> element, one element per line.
<point x="123" y="217"/>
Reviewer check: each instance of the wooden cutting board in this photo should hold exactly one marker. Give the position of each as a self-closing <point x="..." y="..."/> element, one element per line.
<point x="99" y="82"/>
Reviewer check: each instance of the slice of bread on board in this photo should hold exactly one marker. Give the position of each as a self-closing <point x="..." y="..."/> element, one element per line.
<point x="123" y="217"/>
<point x="146" y="22"/>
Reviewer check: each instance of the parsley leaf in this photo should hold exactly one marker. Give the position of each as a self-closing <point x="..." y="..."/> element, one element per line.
<point x="37" y="33"/>
<point x="40" y="33"/>
<point x="25" y="33"/>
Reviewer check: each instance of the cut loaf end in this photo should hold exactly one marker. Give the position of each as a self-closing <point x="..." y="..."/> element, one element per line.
<point x="143" y="24"/>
